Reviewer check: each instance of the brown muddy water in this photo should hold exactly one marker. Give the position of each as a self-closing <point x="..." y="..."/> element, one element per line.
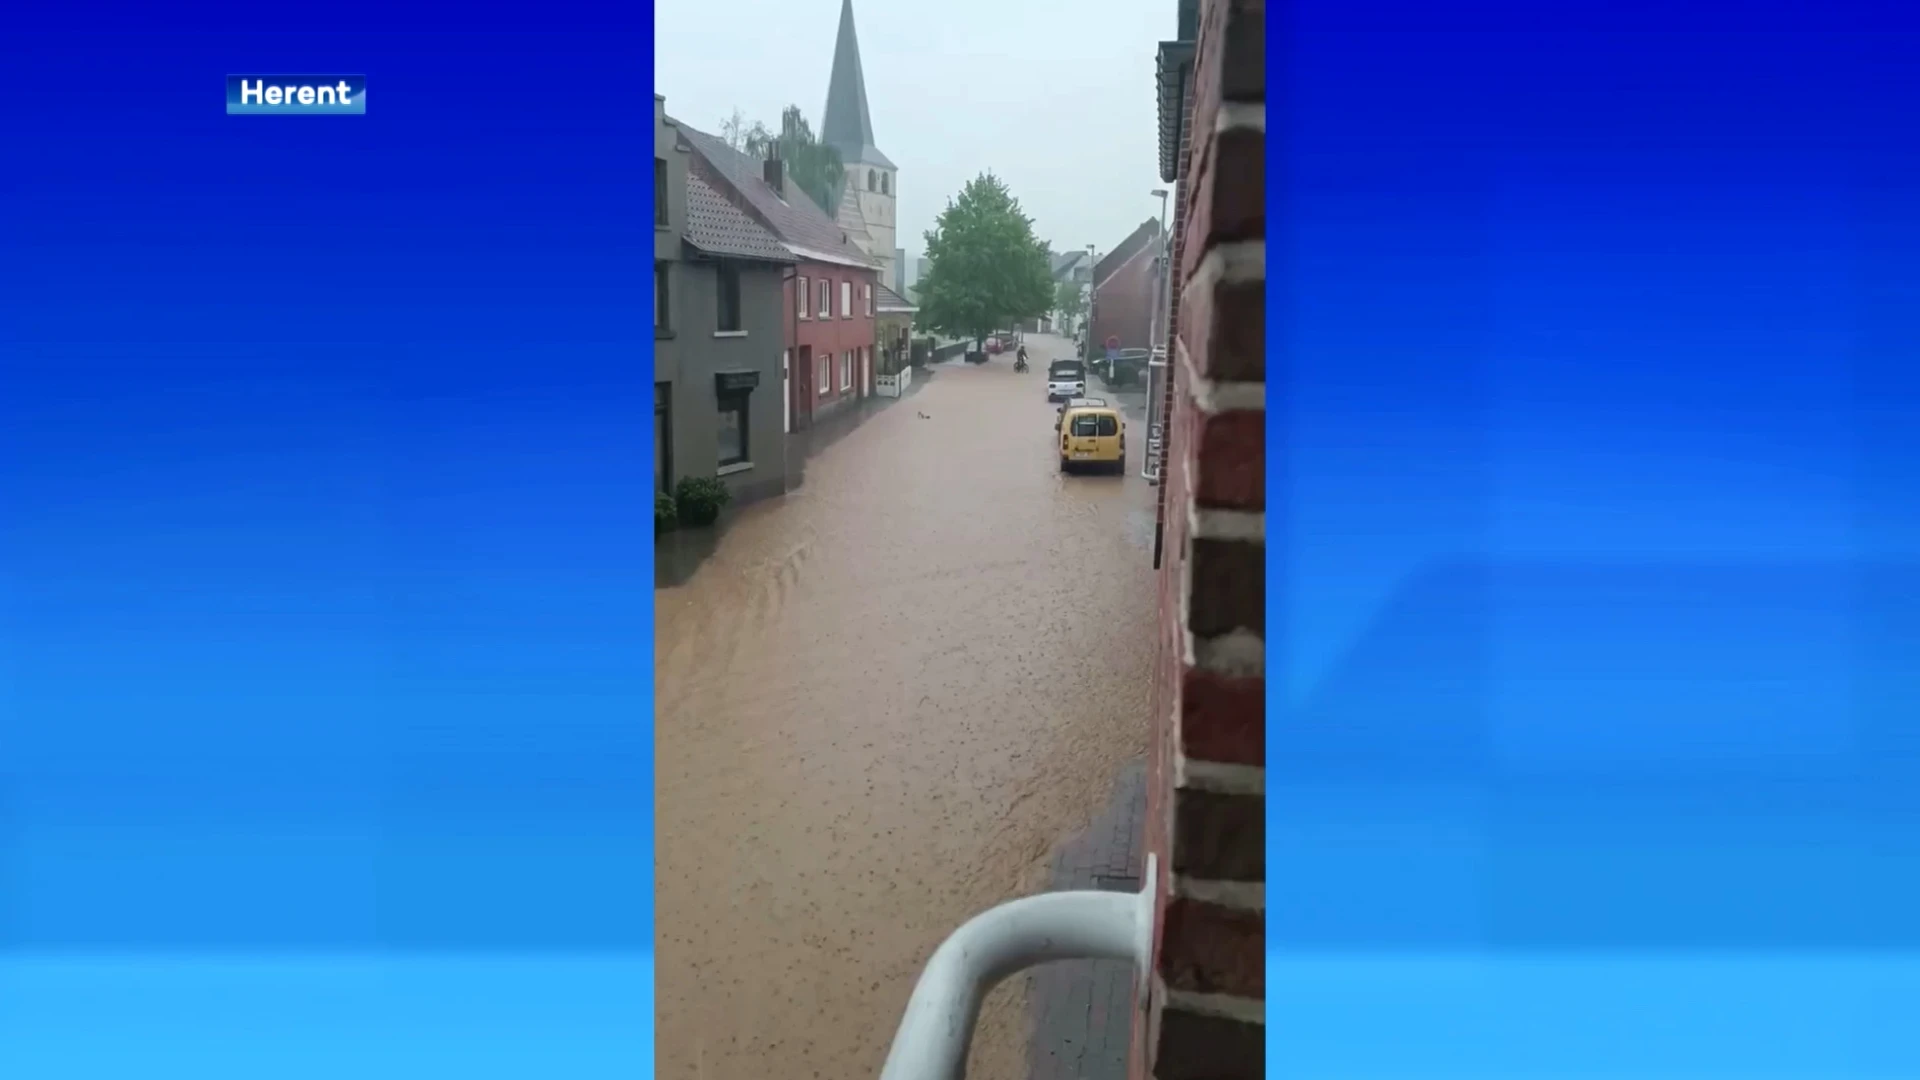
<point x="882" y="701"/>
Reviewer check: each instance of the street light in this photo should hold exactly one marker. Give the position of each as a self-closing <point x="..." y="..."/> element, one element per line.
<point x="1093" y="302"/>
<point x="1157" y="350"/>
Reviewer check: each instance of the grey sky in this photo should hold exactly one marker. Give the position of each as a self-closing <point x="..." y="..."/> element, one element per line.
<point x="1054" y="96"/>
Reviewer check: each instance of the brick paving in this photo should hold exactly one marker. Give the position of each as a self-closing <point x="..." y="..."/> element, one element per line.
<point x="1082" y="1011"/>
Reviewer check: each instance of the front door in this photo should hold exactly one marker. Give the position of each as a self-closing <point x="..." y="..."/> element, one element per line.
<point x="662" y="437"/>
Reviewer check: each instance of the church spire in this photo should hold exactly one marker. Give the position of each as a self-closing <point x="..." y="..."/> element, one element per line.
<point x="847" y="126"/>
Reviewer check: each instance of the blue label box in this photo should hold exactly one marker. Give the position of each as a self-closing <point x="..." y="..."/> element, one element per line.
<point x="296" y="95"/>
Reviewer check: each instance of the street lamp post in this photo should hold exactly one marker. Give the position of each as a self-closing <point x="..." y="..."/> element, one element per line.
<point x="1158" y="348"/>
<point x="1093" y="302"/>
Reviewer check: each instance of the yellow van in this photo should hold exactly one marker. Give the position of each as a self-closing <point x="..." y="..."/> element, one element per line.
<point x="1093" y="435"/>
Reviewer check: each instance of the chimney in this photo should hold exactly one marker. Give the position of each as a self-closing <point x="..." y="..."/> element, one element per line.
<point x="774" y="172"/>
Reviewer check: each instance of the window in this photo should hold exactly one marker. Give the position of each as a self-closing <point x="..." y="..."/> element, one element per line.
<point x="1086" y="427"/>
<point x="826" y="299"/>
<point x="662" y="297"/>
<point x="729" y="319"/>
<point x="866" y="291"/>
<point x="800" y="297"/>
<point x="846" y="299"/>
<point x="733" y="428"/>
<point x="826" y="374"/>
<point x="883" y="183"/>
<point x="872" y="185"/>
<point x="1109" y="426"/>
<point x="846" y="371"/>
<point x="660" y="191"/>
<point x="662" y="436"/>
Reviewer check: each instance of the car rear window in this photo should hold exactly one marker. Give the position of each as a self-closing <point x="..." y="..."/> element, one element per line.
<point x="1066" y="369"/>
<point x="1109" y="425"/>
<point x="1087" y="426"/>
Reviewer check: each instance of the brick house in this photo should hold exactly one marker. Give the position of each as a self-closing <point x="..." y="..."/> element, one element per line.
<point x="1206" y="786"/>
<point x="828" y="296"/>
<point x="1124" y="292"/>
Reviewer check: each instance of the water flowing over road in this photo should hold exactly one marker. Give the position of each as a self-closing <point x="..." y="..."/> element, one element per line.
<point x="882" y="701"/>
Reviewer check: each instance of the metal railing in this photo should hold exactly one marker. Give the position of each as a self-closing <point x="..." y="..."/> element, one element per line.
<point x="937" y="1029"/>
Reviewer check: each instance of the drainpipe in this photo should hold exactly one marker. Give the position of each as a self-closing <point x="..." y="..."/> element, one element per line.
<point x="793" y="351"/>
<point x="937" y="1029"/>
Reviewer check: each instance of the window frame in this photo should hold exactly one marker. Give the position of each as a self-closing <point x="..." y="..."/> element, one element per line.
<point x="739" y="402"/>
<point x="846" y="371"/>
<point x="866" y="291"/>
<point x="825" y="304"/>
<point x="803" y="292"/>
<point x="826" y="377"/>
<point x="727" y="280"/>
<point x="846" y="299"/>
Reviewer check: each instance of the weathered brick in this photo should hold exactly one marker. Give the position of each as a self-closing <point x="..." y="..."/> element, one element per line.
<point x="1211" y="949"/>
<point x="1229" y="590"/>
<point x="1218" y="332"/>
<point x="1198" y="1046"/>
<point x="1237" y="206"/>
<point x="1223" y="718"/>
<point x="1243" y="58"/>
<point x="1229" y="452"/>
<point x="1219" y="837"/>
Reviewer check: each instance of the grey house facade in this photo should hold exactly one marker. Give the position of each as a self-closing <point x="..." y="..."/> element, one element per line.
<point x="718" y="400"/>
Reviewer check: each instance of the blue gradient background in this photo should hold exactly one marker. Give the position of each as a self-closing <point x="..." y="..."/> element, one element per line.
<point x="1596" y="493"/>
<point x="325" y="557"/>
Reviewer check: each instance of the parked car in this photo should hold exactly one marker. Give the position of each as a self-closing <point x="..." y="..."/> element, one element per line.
<point x="1093" y="435"/>
<point x="1077" y="403"/>
<point x="1066" y="379"/>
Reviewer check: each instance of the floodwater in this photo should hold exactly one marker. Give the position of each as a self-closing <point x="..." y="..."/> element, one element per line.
<point x="882" y="701"/>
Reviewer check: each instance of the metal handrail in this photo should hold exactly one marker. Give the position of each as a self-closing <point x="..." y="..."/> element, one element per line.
<point x="937" y="1029"/>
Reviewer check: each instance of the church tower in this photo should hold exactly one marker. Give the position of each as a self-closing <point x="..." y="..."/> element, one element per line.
<point x="866" y="209"/>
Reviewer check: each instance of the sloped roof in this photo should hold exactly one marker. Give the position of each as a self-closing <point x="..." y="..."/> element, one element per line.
<point x="1136" y="241"/>
<point x="847" y="124"/>
<point x="805" y="229"/>
<point x="1064" y="262"/>
<point x="717" y="227"/>
<point x="885" y="299"/>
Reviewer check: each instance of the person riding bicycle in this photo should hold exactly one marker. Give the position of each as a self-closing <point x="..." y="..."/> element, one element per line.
<point x="1022" y="354"/>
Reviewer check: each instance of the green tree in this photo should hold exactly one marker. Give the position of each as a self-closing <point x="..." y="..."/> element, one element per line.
<point x="814" y="165"/>
<point x="1070" y="299"/>
<point x="985" y="269"/>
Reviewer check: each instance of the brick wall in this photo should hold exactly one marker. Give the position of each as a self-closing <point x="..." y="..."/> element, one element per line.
<point x="1207" y="783"/>
<point x="1125" y="306"/>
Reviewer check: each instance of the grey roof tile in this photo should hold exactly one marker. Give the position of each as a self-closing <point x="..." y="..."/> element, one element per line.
<point x="717" y="227"/>
<point x="794" y="219"/>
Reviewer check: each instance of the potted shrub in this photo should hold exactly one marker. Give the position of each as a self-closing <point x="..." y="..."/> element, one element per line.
<point x="699" y="499"/>
<point x="666" y="514"/>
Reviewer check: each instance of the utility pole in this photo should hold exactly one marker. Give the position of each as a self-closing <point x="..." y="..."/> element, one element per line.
<point x="1158" y="346"/>
<point x="1093" y="304"/>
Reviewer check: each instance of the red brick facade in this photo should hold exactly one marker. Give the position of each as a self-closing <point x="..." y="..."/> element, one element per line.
<point x="814" y="343"/>
<point x="1206" y="779"/>
<point x="1123" y="303"/>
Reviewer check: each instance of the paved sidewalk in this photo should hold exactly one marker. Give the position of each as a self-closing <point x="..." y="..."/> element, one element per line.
<point x="1083" y="1010"/>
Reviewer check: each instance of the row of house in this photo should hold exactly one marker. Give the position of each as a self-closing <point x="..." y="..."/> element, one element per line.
<point x="770" y="314"/>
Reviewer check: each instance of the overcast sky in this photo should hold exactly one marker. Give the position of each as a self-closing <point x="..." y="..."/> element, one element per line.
<point x="1055" y="96"/>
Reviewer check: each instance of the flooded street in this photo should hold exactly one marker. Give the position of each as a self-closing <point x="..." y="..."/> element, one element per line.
<point x="883" y="701"/>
